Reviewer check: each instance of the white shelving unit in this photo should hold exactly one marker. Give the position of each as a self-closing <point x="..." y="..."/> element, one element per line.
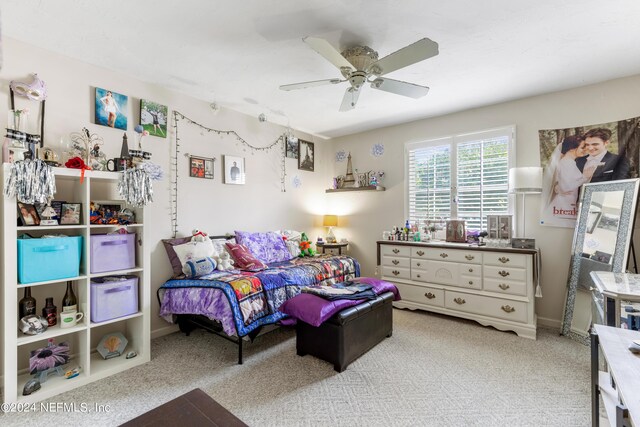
<point x="84" y="337"/>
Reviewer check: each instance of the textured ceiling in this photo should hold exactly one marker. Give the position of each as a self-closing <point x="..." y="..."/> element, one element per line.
<point x="238" y="53"/>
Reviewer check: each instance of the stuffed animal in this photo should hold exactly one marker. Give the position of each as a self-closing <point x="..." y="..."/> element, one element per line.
<point x="224" y="261"/>
<point x="305" y="246"/>
<point x="199" y="236"/>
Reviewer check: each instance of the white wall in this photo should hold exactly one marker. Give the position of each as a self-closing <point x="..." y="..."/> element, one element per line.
<point x="206" y="204"/>
<point x="367" y="215"/>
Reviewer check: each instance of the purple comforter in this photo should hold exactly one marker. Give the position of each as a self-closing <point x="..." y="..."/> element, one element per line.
<point x="314" y="310"/>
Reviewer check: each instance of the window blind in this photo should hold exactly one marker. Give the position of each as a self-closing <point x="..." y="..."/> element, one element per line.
<point x="463" y="177"/>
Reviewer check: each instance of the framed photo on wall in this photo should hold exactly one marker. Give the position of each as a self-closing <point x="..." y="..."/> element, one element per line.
<point x="153" y="118"/>
<point x="292" y="149"/>
<point x="306" y="155"/>
<point x="201" y="167"/>
<point x="234" y="172"/>
<point x="111" y="109"/>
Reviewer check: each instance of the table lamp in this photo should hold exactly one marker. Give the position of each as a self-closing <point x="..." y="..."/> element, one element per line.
<point x="330" y="221"/>
<point x="525" y="180"/>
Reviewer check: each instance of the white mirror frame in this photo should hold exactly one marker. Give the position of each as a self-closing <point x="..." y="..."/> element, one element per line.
<point x="625" y="234"/>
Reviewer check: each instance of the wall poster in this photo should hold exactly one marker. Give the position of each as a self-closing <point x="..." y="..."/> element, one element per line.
<point x="575" y="156"/>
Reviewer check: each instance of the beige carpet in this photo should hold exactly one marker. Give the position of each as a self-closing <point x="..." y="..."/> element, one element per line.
<point x="434" y="371"/>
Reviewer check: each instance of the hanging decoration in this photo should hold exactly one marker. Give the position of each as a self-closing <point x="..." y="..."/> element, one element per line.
<point x="280" y="142"/>
<point x="377" y="150"/>
<point x="30" y="181"/>
<point x="135" y="187"/>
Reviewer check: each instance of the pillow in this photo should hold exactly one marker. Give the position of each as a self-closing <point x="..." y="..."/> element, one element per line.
<point x="198" y="267"/>
<point x="193" y="250"/>
<point x="169" y="244"/>
<point x="243" y="258"/>
<point x="292" y="235"/>
<point x="219" y="245"/>
<point x="267" y="247"/>
<point x="294" y="247"/>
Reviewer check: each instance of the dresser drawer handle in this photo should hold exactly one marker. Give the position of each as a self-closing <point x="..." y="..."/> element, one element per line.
<point x="469" y="257"/>
<point x="395" y="251"/>
<point x="417" y="275"/>
<point x="395" y="272"/>
<point x="395" y="262"/>
<point x="420" y="253"/>
<point x="429" y="295"/>
<point x="471" y="270"/>
<point x="503" y="260"/>
<point x="418" y="264"/>
<point x="503" y="273"/>
<point x="459" y="301"/>
<point x="504" y="286"/>
<point x="508" y="309"/>
<point x="471" y="282"/>
<point x="443" y="255"/>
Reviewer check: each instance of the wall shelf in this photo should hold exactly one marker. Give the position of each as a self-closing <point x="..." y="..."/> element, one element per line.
<point x="368" y="188"/>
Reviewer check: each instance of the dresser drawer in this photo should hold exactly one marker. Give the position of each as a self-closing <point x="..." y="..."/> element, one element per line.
<point x="506" y="273"/>
<point x="396" y="272"/>
<point x="421" y="294"/>
<point x="395" y="261"/>
<point x="418" y="264"/>
<point x="451" y="255"/>
<point x="470" y="282"/>
<point x="470" y="269"/>
<point x="419" y="275"/>
<point x="515" y="311"/>
<point x="505" y="259"/>
<point x="395" y="251"/>
<point x="502" y="286"/>
<point x="444" y="273"/>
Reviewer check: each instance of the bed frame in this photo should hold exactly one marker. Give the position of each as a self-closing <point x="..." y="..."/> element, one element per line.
<point x="189" y="322"/>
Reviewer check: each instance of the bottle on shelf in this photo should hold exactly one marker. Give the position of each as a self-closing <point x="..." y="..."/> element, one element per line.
<point x="27" y="305"/>
<point x="69" y="302"/>
<point x="50" y="312"/>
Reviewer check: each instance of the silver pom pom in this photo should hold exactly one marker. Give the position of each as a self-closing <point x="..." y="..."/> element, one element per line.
<point x="30" y="181"/>
<point x="135" y="187"/>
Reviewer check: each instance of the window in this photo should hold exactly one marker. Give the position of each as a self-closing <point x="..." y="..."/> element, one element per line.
<point x="463" y="177"/>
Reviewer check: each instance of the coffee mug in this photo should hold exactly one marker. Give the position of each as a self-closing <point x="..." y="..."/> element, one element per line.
<point x="116" y="165"/>
<point x="70" y="318"/>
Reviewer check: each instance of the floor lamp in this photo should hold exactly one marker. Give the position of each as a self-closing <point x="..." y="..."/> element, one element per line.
<point x="525" y="180"/>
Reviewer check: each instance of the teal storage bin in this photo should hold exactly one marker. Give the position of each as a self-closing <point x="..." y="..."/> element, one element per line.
<point x="53" y="258"/>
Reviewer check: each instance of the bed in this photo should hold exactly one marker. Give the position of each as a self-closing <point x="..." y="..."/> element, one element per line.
<point x="237" y="305"/>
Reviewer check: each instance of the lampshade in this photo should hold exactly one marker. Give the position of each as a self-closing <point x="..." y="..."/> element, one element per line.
<point x="330" y="220"/>
<point x="526" y="180"/>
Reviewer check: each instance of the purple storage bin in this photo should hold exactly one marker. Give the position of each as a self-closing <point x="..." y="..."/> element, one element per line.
<point x="113" y="297"/>
<point x="112" y="252"/>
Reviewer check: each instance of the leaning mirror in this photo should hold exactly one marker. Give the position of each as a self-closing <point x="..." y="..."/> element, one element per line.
<point x="604" y="229"/>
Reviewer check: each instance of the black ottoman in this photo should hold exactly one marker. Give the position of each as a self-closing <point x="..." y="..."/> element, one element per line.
<point x="349" y="334"/>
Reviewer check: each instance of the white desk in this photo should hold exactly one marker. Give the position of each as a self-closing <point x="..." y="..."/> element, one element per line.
<point x="620" y="386"/>
<point x="611" y="289"/>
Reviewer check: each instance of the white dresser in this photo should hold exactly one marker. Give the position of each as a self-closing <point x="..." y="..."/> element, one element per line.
<point x="493" y="286"/>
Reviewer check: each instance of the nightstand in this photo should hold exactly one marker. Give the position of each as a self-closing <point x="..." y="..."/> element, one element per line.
<point x="338" y="246"/>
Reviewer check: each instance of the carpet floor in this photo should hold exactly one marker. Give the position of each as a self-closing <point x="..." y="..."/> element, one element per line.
<point x="434" y="371"/>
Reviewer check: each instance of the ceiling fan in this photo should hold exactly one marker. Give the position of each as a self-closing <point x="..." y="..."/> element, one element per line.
<point x="360" y="64"/>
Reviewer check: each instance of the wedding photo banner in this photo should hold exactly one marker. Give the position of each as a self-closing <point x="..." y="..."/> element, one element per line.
<point x="575" y="156"/>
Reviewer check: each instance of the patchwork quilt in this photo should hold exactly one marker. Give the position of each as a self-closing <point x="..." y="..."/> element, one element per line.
<point x="253" y="298"/>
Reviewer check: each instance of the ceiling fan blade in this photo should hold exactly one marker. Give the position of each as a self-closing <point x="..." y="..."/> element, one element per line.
<point x="416" y="52"/>
<point x="350" y="99"/>
<point x="400" y="88"/>
<point x="329" y="52"/>
<point x="311" y="84"/>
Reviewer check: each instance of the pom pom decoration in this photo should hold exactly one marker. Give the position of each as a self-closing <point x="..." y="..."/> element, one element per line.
<point x="135" y="187"/>
<point x="138" y="129"/>
<point x="30" y="181"/>
<point x="154" y="171"/>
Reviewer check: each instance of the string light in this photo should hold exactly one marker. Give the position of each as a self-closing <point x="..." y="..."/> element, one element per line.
<point x="177" y="116"/>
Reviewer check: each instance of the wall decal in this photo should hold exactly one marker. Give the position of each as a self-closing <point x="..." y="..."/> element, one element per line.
<point x="377" y="150"/>
<point x="341" y="156"/>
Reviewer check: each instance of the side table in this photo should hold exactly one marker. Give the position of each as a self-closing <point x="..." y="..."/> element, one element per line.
<point x="338" y="246"/>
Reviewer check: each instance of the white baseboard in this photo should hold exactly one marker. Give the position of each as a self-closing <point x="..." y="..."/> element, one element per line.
<point x="157" y="333"/>
<point x="549" y="323"/>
